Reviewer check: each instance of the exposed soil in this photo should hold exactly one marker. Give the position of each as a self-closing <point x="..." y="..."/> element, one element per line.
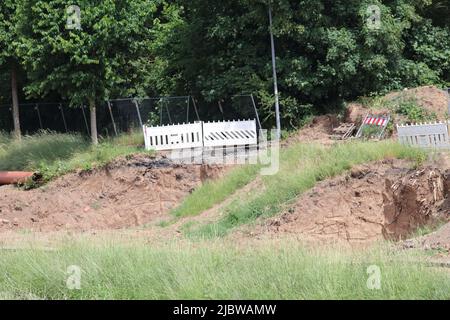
<point x="432" y="99"/>
<point x="318" y="131"/>
<point x="417" y="199"/>
<point x="364" y="205"/>
<point x="356" y="112"/>
<point x="438" y="240"/>
<point x="125" y="193"/>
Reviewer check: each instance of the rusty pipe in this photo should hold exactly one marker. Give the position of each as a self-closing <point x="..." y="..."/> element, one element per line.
<point x="13" y="177"/>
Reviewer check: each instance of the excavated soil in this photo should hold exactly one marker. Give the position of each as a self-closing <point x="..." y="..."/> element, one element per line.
<point x="432" y="99"/>
<point x="417" y="199"/>
<point x="126" y="193"/>
<point x="318" y="131"/>
<point x="384" y="200"/>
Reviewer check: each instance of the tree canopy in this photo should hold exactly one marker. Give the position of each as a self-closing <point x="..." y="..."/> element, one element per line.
<point x="327" y="50"/>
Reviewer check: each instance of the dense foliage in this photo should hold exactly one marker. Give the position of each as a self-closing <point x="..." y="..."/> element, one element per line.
<point x="327" y="50"/>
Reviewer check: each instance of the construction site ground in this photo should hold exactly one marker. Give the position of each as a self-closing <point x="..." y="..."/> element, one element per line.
<point x="131" y="199"/>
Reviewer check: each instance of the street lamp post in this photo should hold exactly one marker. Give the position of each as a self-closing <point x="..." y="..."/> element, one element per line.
<point x="275" y="82"/>
<point x="448" y="100"/>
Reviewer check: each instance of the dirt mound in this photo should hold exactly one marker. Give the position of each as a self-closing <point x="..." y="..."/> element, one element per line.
<point x="318" y="130"/>
<point x="354" y="207"/>
<point x="432" y="99"/>
<point x="356" y="112"/>
<point x="417" y="199"/>
<point x="128" y="192"/>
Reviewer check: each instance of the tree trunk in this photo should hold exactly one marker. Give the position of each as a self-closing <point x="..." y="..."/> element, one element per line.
<point x="15" y="103"/>
<point x="93" y="113"/>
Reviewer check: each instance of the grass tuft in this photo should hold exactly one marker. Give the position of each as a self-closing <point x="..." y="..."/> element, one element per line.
<point x="215" y="270"/>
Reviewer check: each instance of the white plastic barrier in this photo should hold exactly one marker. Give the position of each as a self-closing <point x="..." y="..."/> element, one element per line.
<point x="169" y="137"/>
<point x="201" y="134"/>
<point x="425" y="135"/>
<point x="229" y="133"/>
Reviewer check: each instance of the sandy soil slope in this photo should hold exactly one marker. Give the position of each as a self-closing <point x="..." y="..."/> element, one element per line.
<point x="126" y="193"/>
<point x="382" y="200"/>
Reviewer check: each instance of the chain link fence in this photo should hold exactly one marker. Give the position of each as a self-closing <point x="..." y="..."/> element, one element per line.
<point x="124" y="115"/>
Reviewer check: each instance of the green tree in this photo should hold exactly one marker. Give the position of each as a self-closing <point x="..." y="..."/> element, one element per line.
<point x="105" y="57"/>
<point x="9" y="62"/>
<point x="327" y="51"/>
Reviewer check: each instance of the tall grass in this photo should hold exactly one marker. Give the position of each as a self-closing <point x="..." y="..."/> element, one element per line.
<point x="301" y="167"/>
<point x="5" y="138"/>
<point x="55" y="154"/>
<point x="28" y="153"/>
<point x="216" y="271"/>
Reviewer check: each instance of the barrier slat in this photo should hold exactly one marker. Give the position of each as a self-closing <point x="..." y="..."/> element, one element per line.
<point x="428" y="135"/>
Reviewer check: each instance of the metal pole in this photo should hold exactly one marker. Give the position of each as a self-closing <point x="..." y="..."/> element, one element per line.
<point x="138" y="113"/>
<point x="36" y="107"/>
<point x="168" y="113"/>
<point x="187" y="115"/>
<point x="275" y="82"/>
<point x="256" y="111"/>
<point x="112" y="117"/>
<point x="448" y="99"/>
<point x="85" y="120"/>
<point x="161" y="112"/>
<point x="195" y="108"/>
<point x="63" y="117"/>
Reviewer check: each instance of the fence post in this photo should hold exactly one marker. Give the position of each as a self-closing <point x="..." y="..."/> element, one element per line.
<point x="448" y="100"/>
<point x="138" y="113"/>
<point x="168" y="112"/>
<point x="64" y="118"/>
<point x="112" y="117"/>
<point x="85" y="120"/>
<point x="195" y="108"/>
<point x="36" y="107"/>
<point x="256" y="111"/>
<point x="187" y="114"/>
<point x="448" y="127"/>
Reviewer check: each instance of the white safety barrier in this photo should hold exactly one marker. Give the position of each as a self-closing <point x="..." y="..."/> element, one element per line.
<point x="229" y="133"/>
<point x="425" y="135"/>
<point x="201" y="134"/>
<point x="176" y="136"/>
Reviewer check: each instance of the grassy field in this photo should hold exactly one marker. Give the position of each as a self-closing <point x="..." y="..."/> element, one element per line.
<point x="301" y="167"/>
<point x="55" y="154"/>
<point x="215" y="270"/>
<point x="210" y="267"/>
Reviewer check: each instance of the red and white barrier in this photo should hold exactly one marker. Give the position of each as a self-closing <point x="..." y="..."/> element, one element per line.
<point x="380" y="121"/>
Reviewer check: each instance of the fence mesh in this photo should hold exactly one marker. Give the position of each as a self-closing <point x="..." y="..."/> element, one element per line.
<point x="124" y="115"/>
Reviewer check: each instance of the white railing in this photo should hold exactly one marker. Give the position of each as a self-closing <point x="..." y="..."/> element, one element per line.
<point x="176" y="136"/>
<point x="229" y="133"/>
<point x="201" y="134"/>
<point x="425" y="135"/>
